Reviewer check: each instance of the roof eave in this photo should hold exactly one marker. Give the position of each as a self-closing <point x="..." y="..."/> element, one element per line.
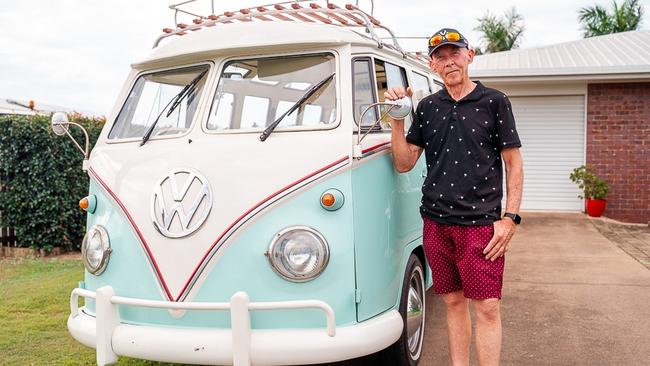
<point x="638" y="76"/>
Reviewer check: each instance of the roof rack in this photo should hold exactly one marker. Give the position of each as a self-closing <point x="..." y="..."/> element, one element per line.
<point x="291" y="11"/>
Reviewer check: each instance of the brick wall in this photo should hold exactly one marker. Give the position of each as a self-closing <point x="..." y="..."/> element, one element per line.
<point x="618" y="146"/>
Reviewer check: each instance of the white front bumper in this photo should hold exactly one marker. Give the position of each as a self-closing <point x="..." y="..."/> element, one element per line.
<point x="237" y="346"/>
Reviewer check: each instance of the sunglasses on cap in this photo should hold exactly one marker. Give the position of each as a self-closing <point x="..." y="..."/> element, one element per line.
<point x="449" y="36"/>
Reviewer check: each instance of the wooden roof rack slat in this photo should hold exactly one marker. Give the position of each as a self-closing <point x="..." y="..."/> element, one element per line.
<point x="373" y="20"/>
<point x="314" y="15"/>
<point x="262" y="9"/>
<point x="330" y="14"/>
<point x="295" y="15"/>
<point x="212" y="17"/>
<point x="197" y="21"/>
<point x="350" y="16"/>
<point x="255" y="15"/>
<point x="231" y="14"/>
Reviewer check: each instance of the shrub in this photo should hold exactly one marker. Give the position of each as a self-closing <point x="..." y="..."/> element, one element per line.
<point x="592" y="187"/>
<point x="42" y="181"/>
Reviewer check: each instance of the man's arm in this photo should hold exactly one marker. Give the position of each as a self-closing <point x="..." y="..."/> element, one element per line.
<point x="405" y="155"/>
<point x="514" y="178"/>
<point x="505" y="229"/>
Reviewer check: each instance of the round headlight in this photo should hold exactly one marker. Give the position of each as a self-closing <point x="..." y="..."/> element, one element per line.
<point x="96" y="249"/>
<point x="298" y="254"/>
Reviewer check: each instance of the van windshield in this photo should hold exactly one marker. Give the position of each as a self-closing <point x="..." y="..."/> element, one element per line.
<point x="150" y="95"/>
<point x="253" y="93"/>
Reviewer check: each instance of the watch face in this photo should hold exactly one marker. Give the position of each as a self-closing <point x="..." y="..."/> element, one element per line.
<point x="516" y="218"/>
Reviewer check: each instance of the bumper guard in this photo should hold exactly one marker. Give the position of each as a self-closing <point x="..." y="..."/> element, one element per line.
<point x="238" y="346"/>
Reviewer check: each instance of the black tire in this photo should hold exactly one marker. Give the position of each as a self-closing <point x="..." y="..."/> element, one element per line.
<point x="403" y="352"/>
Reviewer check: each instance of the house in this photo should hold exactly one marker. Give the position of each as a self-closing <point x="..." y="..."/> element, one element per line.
<point x="586" y="101"/>
<point x="29" y="107"/>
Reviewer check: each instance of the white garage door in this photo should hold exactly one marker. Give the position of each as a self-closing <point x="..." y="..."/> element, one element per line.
<point x="552" y="134"/>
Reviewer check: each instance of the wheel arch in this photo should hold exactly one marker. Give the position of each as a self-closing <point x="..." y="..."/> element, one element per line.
<point x="419" y="252"/>
<point x="416" y="248"/>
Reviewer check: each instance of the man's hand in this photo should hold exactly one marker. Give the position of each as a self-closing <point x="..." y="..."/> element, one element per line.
<point x="405" y="155"/>
<point x="398" y="93"/>
<point x="503" y="231"/>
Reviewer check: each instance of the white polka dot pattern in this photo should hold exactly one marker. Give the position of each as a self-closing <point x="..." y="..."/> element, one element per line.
<point x="455" y="255"/>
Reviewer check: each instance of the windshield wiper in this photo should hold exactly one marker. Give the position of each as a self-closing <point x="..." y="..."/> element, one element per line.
<point x="174" y="102"/>
<point x="268" y="130"/>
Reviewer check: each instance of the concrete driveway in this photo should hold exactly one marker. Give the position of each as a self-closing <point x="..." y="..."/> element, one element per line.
<point x="571" y="297"/>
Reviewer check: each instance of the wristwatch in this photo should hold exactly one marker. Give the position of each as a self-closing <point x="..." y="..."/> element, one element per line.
<point x="516" y="218"/>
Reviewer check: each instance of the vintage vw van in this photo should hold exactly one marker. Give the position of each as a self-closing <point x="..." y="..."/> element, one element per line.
<point x="243" y="207"/>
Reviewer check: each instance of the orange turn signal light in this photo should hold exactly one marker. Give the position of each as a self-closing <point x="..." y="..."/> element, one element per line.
<point x="88" y="203"/>
<point x="328" y="200"/>
<point x="332" y="199"/>
<point x="84" y="203"/>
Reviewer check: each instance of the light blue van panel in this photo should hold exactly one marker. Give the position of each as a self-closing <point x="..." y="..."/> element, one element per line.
<point x="244" y="267"/>
<point x="386" y="220"/>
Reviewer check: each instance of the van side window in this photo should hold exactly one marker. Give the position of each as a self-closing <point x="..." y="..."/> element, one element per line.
<point x="387" y="76"/>
<point x="253" y="93"/>
<point x="363" y="92"/>
<point x="421" y="87"/>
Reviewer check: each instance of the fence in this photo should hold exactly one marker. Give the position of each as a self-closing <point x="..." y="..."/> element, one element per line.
<point x="8" y="237"/>
<point x="7" y="234"/>
<point x="8" y="240"/>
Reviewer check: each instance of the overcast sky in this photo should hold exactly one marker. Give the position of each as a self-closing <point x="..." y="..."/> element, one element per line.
<point x="76" y="53"/>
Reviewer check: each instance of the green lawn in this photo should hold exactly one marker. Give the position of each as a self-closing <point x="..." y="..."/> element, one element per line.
<point x="34" y="308"/>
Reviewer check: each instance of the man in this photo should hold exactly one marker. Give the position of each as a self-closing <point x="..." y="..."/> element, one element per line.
<point x="465" y="130"/>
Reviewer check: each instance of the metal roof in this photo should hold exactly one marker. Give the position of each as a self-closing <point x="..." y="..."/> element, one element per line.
<point x="618" y="55"/>
<point x="20" y="106"/>
<point x="9" y="106"/>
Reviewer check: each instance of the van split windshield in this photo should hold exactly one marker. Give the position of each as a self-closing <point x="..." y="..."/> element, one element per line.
<point x="253" y="93"/>
<point x="151" y="96"/>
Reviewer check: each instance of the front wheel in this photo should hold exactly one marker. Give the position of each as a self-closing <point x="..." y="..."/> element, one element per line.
<point x="408" y="348"/>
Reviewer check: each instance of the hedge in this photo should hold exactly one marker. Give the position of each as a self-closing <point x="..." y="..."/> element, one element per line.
<point x="42" y="181"/>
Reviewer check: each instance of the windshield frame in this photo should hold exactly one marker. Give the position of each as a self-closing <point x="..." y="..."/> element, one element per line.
<point x="197" y="115"/>
<point x="256" y="131"/>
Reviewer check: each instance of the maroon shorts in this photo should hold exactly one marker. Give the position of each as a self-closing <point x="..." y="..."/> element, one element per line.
<point x="455" y="255"/>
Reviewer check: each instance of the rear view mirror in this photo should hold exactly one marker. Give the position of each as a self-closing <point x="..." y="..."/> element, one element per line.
<point x="61" y="126"/>
<point x="59" y="123"/>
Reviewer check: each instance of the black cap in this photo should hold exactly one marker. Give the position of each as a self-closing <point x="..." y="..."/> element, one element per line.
<point x="457" y="39"/>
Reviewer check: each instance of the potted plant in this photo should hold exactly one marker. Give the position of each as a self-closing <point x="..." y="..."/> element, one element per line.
<point x="594" y="190"/>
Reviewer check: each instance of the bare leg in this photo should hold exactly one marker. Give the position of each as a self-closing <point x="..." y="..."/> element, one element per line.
<point x="488" y="331"/>
<point x="459" y="327"/>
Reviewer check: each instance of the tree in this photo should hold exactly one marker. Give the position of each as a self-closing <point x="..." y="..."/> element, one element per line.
<point x="500" y="34"/>
<point x="597" y="21"/>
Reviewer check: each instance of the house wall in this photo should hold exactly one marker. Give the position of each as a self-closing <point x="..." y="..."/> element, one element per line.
<point x="618" y="146"/>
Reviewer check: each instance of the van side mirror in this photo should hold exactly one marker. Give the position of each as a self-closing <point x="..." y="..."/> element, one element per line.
<point x="59" y="123"/>
<point x="397" y="109"/>
<point x="61" y="126"/>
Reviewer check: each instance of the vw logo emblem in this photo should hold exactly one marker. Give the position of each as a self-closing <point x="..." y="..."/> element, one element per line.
<point x="181" y="203"/>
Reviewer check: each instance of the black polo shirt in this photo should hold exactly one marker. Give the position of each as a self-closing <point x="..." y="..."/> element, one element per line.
<point x="462" y="143"/>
